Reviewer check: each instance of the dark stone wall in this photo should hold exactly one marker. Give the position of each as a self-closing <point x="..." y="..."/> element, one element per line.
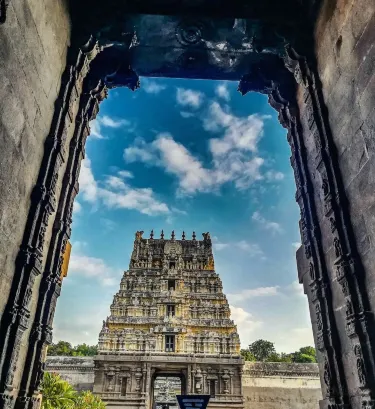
<point x="345" y="53"/>
<point x="345" y="38"/>
<point x="33" y="46"/>
<point x="33" y="50"/>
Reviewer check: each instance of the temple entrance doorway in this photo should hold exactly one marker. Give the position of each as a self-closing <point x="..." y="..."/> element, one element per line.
<point x="165" y="387"/>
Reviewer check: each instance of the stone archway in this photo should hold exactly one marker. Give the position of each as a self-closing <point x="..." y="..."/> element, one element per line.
<point x="278" y="58"/>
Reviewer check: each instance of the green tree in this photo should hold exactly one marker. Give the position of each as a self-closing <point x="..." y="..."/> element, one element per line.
<point x="86" y="400"/>
<point x="308" y="351"/>
<point x="305" y="355"/>
<point x="247" y="355"/>
<point x="275" y="357"/>
<point x="262" y="349"/>
<point x="85" y="350"/>
<point x="57" y="393"/>
<point x="62" y="348"/>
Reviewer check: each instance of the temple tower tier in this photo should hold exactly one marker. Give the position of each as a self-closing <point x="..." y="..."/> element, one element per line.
<point x="169" y="320"/>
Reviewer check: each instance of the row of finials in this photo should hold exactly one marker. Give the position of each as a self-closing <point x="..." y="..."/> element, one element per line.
<point x="173" y="236"/>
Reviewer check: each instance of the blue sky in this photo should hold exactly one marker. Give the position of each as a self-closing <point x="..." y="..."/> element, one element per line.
<point x="189" y="155"/>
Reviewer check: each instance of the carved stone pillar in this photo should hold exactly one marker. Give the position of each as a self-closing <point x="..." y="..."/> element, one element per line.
<point x="138" y="376"/>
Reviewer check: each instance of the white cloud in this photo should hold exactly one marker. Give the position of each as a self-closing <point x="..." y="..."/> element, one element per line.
<point x="108" y="224"/>
<point x="272" y="175"/>
<point x="178" y="211"/>
<point x="125" y="174"/>
<point x="95" y="130"/>
<point x="169" y="219"/>
<point x="246" y="324"/>
<point x="288" y="339"/>
<point x="296" y="245"/>
<point x="189" y="97"/>
<point x="114" y="193"/>
<point x="288" y="325"/>
<point x="92" y="268"/>
<point x="251" y="293"/>
<point x="87" y="184"/>
<point x="303" y="336"/>
<point x="77" y="207"/>
<point x="252" y="249"/>
<point x="112" y="122"/>
<point x="96" y="125"/>
<point x="223" y="92"/>
<point x="193" y="176"/>
<point x="79" y="246"/>
<point x="220" y="246"/>
<point x="141" y="151"/>
<point x="152" y="87"/>
<point x="186" y="114"/>
<point x="239" y="133"/>
<point x="83" y="327"/>
<point x="234" y="154"/>
<point x="273" y="227"/>
<point x="296" y="289"/>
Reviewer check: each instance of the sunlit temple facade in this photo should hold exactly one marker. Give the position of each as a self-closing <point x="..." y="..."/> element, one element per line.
<point x="170" y="318"/>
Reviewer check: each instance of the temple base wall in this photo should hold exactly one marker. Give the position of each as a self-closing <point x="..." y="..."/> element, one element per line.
<point x="127" y="381"/>
<point x="264" y="385"/>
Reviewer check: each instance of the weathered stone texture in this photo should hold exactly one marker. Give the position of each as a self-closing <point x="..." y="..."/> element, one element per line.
<point x="281" y="385"/>
<point x="32" y="57"/>
<point x="345" y="52"/>
<point x="345" y="49"/>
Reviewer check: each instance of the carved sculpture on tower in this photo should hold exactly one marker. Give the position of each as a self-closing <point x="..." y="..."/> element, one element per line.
<point x="169" y="318"/>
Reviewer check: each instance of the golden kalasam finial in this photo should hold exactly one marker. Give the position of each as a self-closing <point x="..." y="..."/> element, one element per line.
<point x="210" y="264"/>
<point x="138" y="235"/>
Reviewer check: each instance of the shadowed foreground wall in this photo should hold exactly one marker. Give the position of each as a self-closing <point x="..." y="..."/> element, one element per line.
<point x="33" y="51"/>
<point x="265" y="385"/>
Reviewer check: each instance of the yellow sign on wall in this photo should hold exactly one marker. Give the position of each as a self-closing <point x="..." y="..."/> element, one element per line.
<point x="66" y="258"/>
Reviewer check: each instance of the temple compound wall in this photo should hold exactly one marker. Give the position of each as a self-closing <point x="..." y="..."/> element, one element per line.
<point x="77" y="370"/>
<point x="265" y="385"/>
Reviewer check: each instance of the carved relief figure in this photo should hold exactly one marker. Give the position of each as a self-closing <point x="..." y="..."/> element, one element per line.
<point x="360" y="365"/>
<point x="337" y="246"/>
<point x="312" y="271"/>
<point x="138" y="235"/>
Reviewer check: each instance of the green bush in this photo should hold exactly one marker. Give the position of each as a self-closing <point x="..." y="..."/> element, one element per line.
<point x="59" y="394"/>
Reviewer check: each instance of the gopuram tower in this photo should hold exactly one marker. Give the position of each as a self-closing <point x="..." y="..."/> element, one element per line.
<point x="169" y="321"/>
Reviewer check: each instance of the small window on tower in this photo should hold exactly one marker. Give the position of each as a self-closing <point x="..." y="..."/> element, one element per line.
<point x="124" y="384"/>
<point x="172" y="264"/>
<point x="171" y="285"/>
<point x="212" y="388"/>
<point x="169" y="343"/>
<point x="170" y="310"/>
